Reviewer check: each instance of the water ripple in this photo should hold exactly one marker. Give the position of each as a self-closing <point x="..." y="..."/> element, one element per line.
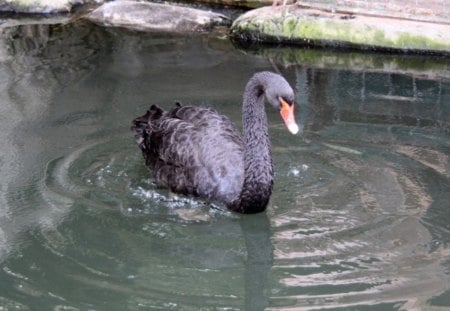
<point x="356" y="236"/>
<point x="347" y="227"/>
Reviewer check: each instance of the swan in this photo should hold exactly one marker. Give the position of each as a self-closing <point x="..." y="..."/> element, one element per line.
<point x="197" y="151"/>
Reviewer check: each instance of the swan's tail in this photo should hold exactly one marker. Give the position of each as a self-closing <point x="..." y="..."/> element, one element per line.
<point x="142" y="126"/>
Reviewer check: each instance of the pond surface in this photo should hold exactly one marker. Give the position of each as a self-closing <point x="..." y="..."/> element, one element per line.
<point x="359" y="218"/>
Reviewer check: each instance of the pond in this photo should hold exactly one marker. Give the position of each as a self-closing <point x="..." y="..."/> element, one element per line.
<point x="359" y="218"/>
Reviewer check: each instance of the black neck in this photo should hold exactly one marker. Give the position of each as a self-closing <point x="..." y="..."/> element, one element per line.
<point x="258" y="170"/>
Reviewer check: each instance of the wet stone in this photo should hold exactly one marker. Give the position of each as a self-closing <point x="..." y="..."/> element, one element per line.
<point x="155" y="17"/>
<point x="41" y="6"/>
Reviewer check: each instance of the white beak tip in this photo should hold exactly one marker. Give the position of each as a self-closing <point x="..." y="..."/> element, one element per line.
<point x="293" y="128"/>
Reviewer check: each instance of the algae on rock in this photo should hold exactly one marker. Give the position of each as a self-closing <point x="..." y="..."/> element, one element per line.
<point x="295" y="25"/>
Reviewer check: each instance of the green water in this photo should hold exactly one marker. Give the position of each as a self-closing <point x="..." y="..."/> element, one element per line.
<point x="359" y="218"/>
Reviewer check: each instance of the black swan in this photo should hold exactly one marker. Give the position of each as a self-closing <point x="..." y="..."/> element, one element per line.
<point x="197" y="151"/>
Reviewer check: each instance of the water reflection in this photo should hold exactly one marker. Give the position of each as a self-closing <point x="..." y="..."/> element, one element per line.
<point x="257" y="236"/>
<point x="363" y="229"/>
<point x="358" y="218"/>
<point x="37" y="62"/>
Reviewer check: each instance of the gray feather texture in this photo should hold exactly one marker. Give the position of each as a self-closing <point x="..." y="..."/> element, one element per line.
<point x="197" y="151"/>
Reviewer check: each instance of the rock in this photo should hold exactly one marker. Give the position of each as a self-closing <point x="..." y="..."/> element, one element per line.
<point x="146" y="16"/>
<point x="14" y="20"/>
<point x="40" y="6"/>
<point x="295" y="25"/>
<point x="253" y="4"/>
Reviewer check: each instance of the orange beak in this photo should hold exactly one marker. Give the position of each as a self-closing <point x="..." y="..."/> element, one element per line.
<point x="287" y="113"/>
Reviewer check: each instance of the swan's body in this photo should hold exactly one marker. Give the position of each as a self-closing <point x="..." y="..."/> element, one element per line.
<point x="196" y="151"/>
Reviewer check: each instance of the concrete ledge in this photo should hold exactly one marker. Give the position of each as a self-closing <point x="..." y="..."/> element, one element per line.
<point x="296" y="25"/>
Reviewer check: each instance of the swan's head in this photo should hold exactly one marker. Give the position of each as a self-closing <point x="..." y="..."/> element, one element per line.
<point x="281" y="96"/>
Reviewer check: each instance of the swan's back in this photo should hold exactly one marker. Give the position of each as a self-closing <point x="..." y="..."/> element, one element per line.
<point x="193" y="151"/>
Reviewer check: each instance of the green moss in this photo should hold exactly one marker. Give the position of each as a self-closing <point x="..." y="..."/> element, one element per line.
<point x="338" y="32"/>
<point x="289" y="25"/>
<point x="303" y="28"/>
<point x="310" y="30"/>
<point x="407" y="40"/>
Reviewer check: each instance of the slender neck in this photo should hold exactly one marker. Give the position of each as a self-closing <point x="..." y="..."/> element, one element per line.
<point x="258" y="170"/>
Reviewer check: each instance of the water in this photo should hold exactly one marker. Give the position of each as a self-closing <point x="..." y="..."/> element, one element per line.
<point x="359" y="217"/>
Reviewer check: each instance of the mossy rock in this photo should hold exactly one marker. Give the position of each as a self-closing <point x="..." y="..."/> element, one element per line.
<point x="40" y="6"/>
<point x="248" y="4"/>
<point x="295" y="25"/>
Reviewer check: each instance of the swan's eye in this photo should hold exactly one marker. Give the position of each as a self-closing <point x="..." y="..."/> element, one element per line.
<point x="285" y="102"/>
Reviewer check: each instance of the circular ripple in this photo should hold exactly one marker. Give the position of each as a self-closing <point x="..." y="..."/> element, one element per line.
<point x="350" y="225"/>
<point x="354" y="234"/>
<point x="123" y="237"/>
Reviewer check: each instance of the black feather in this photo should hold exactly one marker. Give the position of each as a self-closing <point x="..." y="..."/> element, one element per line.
<point x="197" y="151"/>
